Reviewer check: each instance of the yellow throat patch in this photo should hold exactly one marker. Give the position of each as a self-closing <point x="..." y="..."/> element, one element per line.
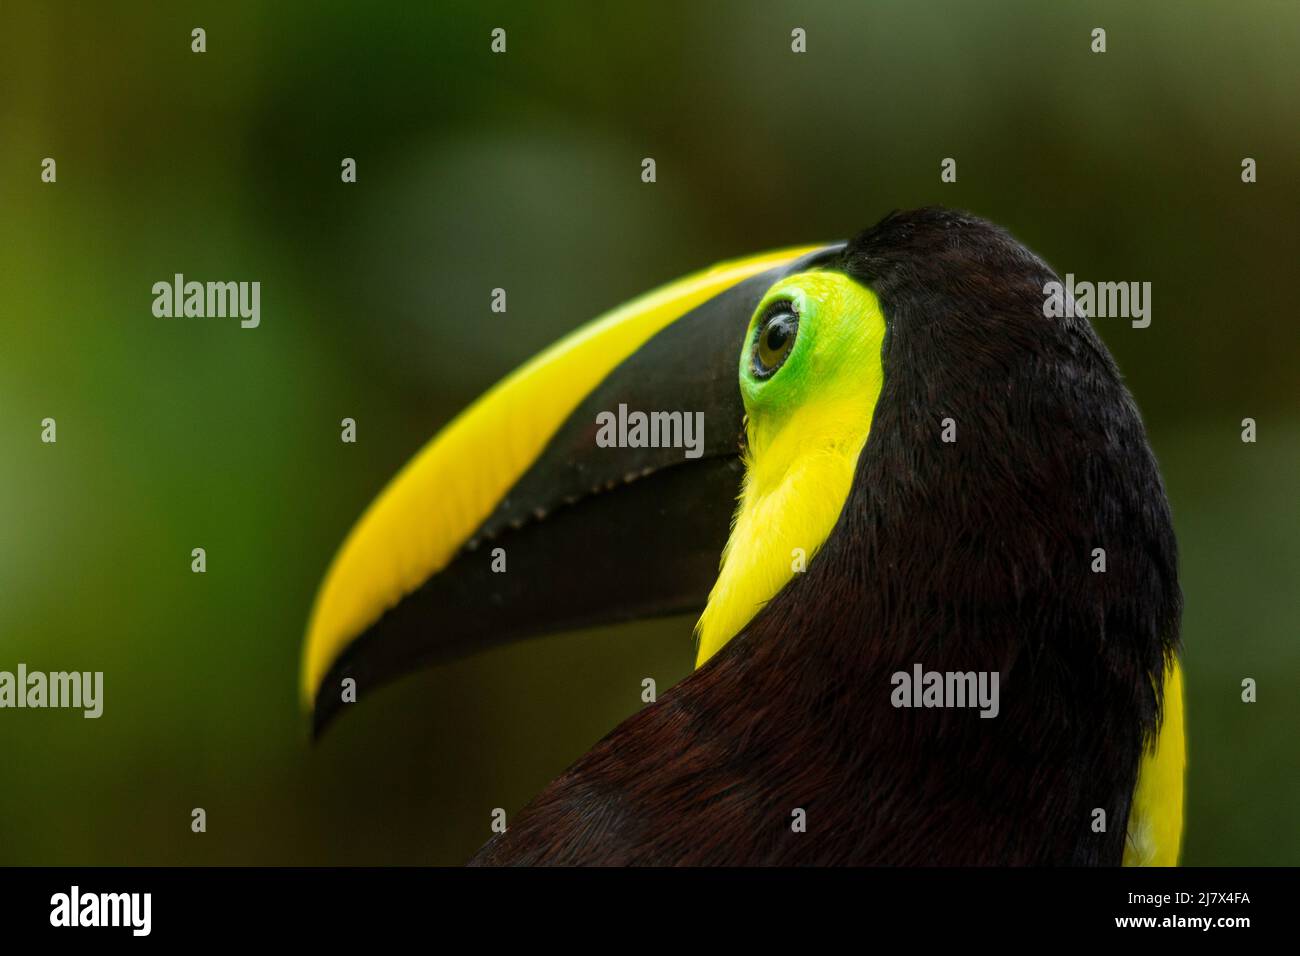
<point x="807" y="422"/>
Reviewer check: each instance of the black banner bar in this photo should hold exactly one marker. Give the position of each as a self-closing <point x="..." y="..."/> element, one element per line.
<point x="326" y="906"/>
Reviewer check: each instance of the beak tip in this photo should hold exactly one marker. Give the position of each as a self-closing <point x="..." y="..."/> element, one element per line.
<point x="320" y="718"/>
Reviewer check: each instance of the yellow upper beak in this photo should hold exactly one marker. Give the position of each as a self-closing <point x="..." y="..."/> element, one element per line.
<point x="429" y="510"/>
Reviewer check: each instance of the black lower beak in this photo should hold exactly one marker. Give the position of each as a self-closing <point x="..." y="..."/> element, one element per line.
<point x="591" y="532"/>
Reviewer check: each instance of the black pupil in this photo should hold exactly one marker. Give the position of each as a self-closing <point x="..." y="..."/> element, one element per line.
<point x="775" y="342"/>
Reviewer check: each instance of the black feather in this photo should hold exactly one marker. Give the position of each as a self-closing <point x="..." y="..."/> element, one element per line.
<point x="974" y="555"/>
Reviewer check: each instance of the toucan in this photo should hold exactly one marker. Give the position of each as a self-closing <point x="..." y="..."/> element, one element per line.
<point x="908" y="465"/>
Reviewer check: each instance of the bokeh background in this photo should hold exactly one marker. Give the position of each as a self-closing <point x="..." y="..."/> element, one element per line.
<point x="523" y="171"/>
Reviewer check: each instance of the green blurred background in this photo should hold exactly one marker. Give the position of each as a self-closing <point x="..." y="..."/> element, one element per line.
<point x="523" y="171"/>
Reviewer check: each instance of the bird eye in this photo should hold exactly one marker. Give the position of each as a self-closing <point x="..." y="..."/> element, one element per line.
<point x="774" y="339"/>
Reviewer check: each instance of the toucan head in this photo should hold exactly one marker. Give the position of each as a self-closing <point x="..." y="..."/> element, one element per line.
<point x="887" y="435"/>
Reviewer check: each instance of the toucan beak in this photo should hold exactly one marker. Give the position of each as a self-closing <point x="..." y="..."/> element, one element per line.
<point x="515" y="521"/>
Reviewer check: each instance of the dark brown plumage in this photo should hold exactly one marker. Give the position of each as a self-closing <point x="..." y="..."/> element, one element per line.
<point x="965" y="556"/>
